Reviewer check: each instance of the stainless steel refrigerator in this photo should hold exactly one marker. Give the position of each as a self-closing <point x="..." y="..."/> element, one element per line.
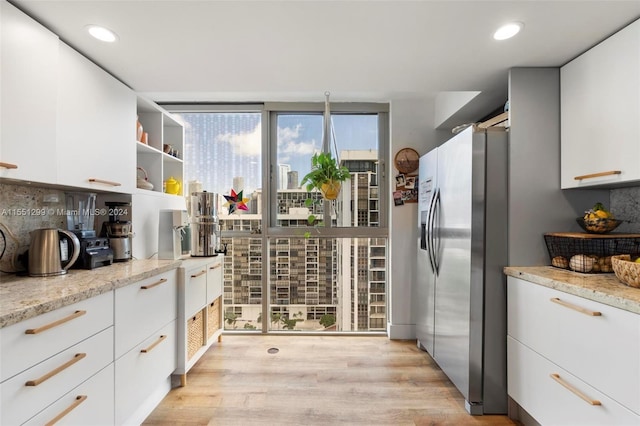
<point x="463" y="224"/>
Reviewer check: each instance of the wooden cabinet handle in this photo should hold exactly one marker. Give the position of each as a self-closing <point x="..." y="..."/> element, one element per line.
<point x="50" y="374"/>
<point x="106" y="182"/>
<point x="74" y="315"/>
<point x="79" y="400"/>
<point x="148" y="286"/>
<point x="576" y="308"/>
<point x="215" y="266"/>
<point x="595" y="175"/>
<point x="556" y="377"/>
<point x="156" y="343"/>
<point x="199" y="274"/>
<point x="8" y="165"/>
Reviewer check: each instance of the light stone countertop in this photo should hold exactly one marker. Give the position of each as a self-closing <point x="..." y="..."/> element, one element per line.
<point x="24" y="297"/>
<point x="603" y="288"/>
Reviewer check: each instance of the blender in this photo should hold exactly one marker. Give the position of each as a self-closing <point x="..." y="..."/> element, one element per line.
<point x="94" y="251"/>
<point x="118" y="231"/>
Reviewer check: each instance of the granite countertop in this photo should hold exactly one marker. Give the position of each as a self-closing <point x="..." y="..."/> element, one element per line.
<point x="23" y="297"/>
<point x="603" y="288"/>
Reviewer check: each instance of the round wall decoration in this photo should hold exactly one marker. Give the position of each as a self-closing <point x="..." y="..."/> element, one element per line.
<point x="407" y="160"/>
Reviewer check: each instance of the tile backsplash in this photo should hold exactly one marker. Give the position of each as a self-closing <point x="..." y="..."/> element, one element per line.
<point x="25" y="207"/>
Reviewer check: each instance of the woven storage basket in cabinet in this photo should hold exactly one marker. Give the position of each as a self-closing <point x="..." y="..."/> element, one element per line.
<point x="213" y="317"/>
<point x="626" y="271"/>
<point x="598" y="248"/>
<point x="195" y="338"/>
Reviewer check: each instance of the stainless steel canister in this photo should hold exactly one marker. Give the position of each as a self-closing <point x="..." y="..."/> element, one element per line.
<point x="205" y="229"/>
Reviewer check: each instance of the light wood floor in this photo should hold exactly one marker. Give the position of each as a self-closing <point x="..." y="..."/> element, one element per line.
<point x="316" y="380"/>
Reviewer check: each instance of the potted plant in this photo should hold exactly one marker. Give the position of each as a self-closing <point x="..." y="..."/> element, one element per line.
<point x="325" y="175"/>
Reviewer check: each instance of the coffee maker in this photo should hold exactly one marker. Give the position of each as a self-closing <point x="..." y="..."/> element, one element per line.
<point x="94" y="251"/>
<point x="118" y="231"/>
<point x="205" y="228"/>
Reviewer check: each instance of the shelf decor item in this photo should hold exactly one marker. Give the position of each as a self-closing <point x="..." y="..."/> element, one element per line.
<point x="143" y="182"/>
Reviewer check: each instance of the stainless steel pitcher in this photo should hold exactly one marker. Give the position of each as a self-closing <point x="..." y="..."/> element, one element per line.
<point x="49" y="252"/>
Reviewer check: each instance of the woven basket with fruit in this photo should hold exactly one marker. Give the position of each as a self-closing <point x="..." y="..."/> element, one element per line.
<point x="598" y="220"/>
<point x="626" y="270"/>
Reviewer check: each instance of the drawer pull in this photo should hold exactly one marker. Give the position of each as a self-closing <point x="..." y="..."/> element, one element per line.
<point x="576" y="308"/>
<point x="74" y="315"/>
<point x="215" y="266"/>
<point x="79" y="400"/>
<point x="556" y="377"/>
<point x="148" y="286"/>
<point x="601" y="174"/>
<point x="106" y="182"/>
<point x="8" y="165"/>
<point x="156" y="343"/>
<point x="199" y="274"/>
<point x="50" y="374"/>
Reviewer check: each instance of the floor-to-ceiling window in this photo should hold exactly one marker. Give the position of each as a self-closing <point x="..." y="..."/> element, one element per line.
<point x="330" y="277"/>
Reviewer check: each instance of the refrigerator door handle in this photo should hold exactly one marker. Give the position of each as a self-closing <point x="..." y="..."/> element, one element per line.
<point x="430" y="233"/>
<point x="435" y="233"/>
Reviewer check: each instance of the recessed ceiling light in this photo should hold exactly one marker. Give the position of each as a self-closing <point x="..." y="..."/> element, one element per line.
<point x="508" y="30"/>
<point x="102" y="33"/>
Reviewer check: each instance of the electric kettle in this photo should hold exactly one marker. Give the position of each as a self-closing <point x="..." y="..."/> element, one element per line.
<point x="49" y="252"/>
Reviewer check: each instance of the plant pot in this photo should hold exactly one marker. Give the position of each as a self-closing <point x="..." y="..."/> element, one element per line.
<point x="330" y="190"/>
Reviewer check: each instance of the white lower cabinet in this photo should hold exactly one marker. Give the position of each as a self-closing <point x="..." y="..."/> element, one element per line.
<point x="199" y="310"/>
<point x="34" y="389"/>
<point x="145" y="345"/>
<point x="91" y="403"/>
<point x="142" y="370"/>
<point x="563" y="400"/>
<point x="592" y="349"/>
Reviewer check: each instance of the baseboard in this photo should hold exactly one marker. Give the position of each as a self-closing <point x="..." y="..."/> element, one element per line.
<point x="401" y="331"/>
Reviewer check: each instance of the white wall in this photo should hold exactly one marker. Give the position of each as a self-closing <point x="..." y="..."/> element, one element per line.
<point x="411" y="126"/>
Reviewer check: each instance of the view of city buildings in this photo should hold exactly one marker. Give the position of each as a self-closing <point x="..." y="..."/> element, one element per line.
<point x="316" y="284"/>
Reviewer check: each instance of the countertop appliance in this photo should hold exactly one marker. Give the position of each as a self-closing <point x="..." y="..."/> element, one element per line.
<point x="205" y="228"/>
<point x="171" y="225"/>
<point x="118" y="231"/>
<point x="463" y="246"/>
<point x="49" y="252"/>
<point x="81" y="211"/>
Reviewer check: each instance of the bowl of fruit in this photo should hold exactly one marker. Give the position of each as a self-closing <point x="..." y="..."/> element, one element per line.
<point x="598" y="220"/>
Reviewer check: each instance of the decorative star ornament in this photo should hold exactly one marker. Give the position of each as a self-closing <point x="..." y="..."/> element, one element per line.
<point x="236" y="201"/>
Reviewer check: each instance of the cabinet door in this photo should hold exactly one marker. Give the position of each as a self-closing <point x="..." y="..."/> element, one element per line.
<point x="96" y="127"/>
<point x="141" y="372"/>
<point x="538" y="385"/>
<point x="142" y="308"/>
<point x="31" y="341"/>
<point x="214" y="279"/>
<point x="91" y="403"/>
<point x="600" y="106"/>
<point x="28" y="77"/>
<point x="32" y="390"/>
<point x="195" y="290"/>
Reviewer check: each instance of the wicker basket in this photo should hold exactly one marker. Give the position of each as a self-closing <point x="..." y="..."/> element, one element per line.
<point x="195" y="334"/>
<point x="213" y="317"/>
<point x="626" y="271"/>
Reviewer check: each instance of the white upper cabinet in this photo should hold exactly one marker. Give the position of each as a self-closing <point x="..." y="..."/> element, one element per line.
<point x="96" y="127"/>
<point x="600" y="110"/>
<point x="28" y="81"/>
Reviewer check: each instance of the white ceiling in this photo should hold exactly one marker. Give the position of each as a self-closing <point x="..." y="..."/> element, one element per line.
<point x="266" y="50"/>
